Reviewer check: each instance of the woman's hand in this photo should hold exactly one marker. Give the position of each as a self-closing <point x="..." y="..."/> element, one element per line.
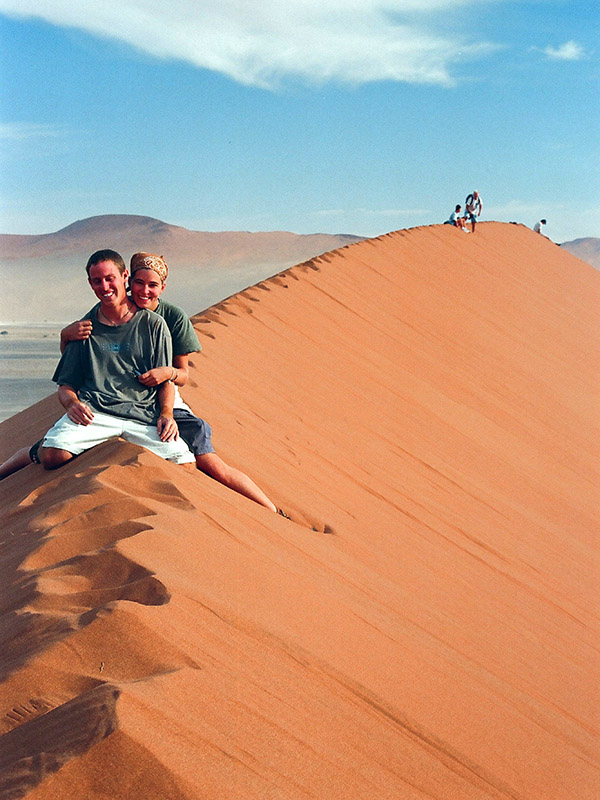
<point x="76" y="331"/>
<point x="156" y="376"/>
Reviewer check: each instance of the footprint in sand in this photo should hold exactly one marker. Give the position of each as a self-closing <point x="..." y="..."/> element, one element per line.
<point x="43" y="744"/>
<point x="26" y="711"/>
<point x="307" y="522"/>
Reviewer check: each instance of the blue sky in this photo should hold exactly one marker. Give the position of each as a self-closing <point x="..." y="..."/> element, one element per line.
<point x="335" y="116"/>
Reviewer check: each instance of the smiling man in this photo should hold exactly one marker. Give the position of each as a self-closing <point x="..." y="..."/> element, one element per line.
<point x="98" y="376"/>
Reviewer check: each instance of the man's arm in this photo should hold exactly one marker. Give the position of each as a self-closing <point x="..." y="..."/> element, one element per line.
<point x="166" y="425"/>
<point x="77" y="411"/>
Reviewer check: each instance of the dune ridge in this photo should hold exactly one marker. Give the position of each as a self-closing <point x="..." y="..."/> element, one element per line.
<point x="425" y="407"/>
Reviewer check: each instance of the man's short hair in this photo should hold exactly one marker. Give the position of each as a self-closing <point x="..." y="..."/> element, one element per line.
<point x="105" y="255"/>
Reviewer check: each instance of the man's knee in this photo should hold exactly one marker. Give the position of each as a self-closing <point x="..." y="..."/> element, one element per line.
<point x="53" y="458"/>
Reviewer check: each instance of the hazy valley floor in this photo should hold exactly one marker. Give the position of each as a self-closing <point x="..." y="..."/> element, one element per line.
<point x="28" y="357"/>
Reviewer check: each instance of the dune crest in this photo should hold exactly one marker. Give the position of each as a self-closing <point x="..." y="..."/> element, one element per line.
<point x="425" y="407"/>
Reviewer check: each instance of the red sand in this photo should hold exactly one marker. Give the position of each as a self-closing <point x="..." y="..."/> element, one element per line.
<point x="430" y="400"/>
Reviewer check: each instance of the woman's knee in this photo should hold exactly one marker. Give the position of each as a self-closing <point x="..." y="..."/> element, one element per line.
<point x="213" y="465"/>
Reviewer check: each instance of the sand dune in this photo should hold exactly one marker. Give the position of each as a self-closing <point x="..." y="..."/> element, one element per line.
<point x="425" y="405"/>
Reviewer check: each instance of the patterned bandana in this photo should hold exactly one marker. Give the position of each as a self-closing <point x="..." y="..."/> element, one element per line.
<point x="149" y="261"/>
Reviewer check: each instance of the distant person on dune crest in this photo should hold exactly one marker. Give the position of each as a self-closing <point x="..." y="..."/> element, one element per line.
<point x="473" y="207"/>
<point x="538" y="226"/>
<point x="456" y="219"/>
<point x="148" y="276"/>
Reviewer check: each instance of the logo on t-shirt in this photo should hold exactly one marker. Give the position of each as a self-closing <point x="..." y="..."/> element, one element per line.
<point x="115" y="347"/>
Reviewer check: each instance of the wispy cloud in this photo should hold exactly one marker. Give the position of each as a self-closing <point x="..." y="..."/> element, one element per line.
<point x="23" y="131"/>
<point x="569" y="51"/>
<point x="261" y="44"/>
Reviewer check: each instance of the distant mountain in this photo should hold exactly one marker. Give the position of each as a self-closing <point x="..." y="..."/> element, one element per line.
<point x="43" y="278"/>
<point x="587" y="249"/>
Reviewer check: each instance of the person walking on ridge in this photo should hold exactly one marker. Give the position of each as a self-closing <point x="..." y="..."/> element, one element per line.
<point x="473" y="206"/>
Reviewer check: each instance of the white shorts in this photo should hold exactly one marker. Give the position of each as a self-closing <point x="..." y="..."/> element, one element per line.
<point x="68" y="435"/>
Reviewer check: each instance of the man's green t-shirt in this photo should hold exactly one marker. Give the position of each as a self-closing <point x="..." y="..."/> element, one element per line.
<point x="102" y="369"/>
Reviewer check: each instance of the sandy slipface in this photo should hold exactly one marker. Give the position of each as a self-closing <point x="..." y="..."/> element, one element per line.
<point x="425" y="407"/>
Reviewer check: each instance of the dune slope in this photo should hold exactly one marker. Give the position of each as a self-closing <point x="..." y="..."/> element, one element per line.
<point x="425" y="407"/>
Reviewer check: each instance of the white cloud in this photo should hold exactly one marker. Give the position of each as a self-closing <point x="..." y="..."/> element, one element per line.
<point x="570" y="51"/>
<point x="21" y="131"/>
<point x="351" y="41"/>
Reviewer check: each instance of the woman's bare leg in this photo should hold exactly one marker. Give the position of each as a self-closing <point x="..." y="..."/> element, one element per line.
<point x="213" y="465"/>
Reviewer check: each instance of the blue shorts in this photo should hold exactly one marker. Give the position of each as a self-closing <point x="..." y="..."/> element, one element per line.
<point x="195" y="432"/>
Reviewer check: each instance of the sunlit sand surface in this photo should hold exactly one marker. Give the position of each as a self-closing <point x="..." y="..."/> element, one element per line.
<point x="425" y="408"/>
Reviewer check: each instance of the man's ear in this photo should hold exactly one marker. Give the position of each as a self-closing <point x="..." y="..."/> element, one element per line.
<point x="125" y="275"/>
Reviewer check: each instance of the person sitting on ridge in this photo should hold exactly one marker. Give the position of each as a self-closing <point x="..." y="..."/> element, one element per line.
<point x="96" y="376"/>
<point x="456" y="220"/>
<point x="148" y="279"/>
